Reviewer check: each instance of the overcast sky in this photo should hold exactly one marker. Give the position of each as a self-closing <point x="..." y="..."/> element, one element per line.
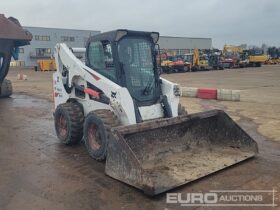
<point x="225" y="21"/>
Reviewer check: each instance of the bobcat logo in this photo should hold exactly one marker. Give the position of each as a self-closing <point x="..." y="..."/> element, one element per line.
<point x="113" y="94"/>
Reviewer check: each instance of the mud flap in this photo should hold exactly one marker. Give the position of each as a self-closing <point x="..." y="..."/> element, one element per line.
<point x="163" y="154"/>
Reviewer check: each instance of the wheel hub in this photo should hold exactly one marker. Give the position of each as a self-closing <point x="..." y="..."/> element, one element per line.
<point x="62" y="125"/>
<point x="94" y="137"/>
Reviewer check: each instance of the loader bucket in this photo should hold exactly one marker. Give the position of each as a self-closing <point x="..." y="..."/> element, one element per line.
<point x="159" y="155"/>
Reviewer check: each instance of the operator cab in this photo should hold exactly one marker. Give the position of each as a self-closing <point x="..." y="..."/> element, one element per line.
<point x="127" y="58"/>
<point x="256" y="51"/>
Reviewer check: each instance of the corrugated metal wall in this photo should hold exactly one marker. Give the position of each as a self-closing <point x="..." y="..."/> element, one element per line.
<point x="184" y="44"/>
<point x="177" y="45"/>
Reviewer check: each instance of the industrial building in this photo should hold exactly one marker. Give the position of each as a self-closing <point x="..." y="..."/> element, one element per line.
<point x="44" y="40"/>
<point x="182" y="45"/>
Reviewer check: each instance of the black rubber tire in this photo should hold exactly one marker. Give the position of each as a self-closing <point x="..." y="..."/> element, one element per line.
<point x="182" y="110"/>
<point x="98" y="121"/>
<point x="6" y="88"/>
<point x="194" y="69"/>
<point x="73" y="117"/>
<point x="169" y="70"/>
<point x="186" y="69"/>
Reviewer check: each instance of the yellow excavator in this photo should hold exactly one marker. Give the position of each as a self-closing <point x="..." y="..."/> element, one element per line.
<point x="193" y="60"/>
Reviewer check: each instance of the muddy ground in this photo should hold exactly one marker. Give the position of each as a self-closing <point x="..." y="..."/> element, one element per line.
<point x="37" y="172"/>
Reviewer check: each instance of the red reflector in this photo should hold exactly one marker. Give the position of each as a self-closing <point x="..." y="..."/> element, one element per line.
<point x="207" y="93"/>
<point x="92" y="92"/>
<point x="95" y="77"/>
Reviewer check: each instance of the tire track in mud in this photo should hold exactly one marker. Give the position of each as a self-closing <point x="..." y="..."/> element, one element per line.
<point x="70" y="165"/>
<point x="45" y="145"/>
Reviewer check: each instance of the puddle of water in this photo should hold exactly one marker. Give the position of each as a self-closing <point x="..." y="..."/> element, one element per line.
<point x="18" y="101"/>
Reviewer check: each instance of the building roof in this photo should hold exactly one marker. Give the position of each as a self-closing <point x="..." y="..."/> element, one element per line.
<point x="53" y="28"/>
<point x="184" y="37"/>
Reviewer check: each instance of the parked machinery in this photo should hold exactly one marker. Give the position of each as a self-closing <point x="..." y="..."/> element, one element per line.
<point x="46" y="64"/>
<point x="256" y="57"/>
<point x="231" y="56"/>
<point x="203" y="60"/>
<point x="274" y="56"/>
<point x="188" y="59"/>
<point x="12" y="36"/>
<point x="215" y="60"/>
<point x="244" y="59"/>
<point x="192" y="60"/>
<point x="173" y="63"/>
<point x="131" y="117"/>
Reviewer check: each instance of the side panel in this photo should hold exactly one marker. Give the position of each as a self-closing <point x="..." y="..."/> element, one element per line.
<point x="168" y="90"/>
<point x="258" y="58"/>
<point x="151" y="112"/>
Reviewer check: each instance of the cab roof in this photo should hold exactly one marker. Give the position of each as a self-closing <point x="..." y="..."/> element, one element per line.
<point x="116" y="35"/>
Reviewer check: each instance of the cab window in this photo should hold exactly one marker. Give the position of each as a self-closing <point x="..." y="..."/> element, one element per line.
<point x="1" y="61"/>
<point x="100" y="58"/>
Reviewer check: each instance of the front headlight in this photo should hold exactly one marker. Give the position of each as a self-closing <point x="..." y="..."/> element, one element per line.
<point x="177" y="90"/>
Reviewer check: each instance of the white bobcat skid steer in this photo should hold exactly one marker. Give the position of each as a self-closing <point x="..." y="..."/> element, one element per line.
<point x="128" y="115"/>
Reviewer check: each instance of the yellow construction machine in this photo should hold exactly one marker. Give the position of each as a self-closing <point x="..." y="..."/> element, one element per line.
<point x="46" y="65"/>
<point x="256" y="57"/>
<point x="231" y="56"/>
<point x="197" y="61"/>
<point x="193" y="60"/>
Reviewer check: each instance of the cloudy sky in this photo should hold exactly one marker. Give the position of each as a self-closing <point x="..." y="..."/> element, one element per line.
<point x="226" y="21"/>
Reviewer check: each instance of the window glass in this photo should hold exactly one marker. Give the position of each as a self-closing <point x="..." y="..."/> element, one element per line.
<point x="43" y="51"/>
<point x="67" y="38"/>
<point x="42" y="38"/>
<point x="1" y="61"/>
<point x="101" y="58"/>
<point x="137" y="59"/>
<point x="256" y="51"/>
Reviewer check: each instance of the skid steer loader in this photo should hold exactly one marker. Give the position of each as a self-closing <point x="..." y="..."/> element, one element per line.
<point x="131" y="117"/>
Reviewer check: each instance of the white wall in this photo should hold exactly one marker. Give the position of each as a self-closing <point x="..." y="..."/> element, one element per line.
<point x="55" y="37"/>
<point x="166" y="42"/>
